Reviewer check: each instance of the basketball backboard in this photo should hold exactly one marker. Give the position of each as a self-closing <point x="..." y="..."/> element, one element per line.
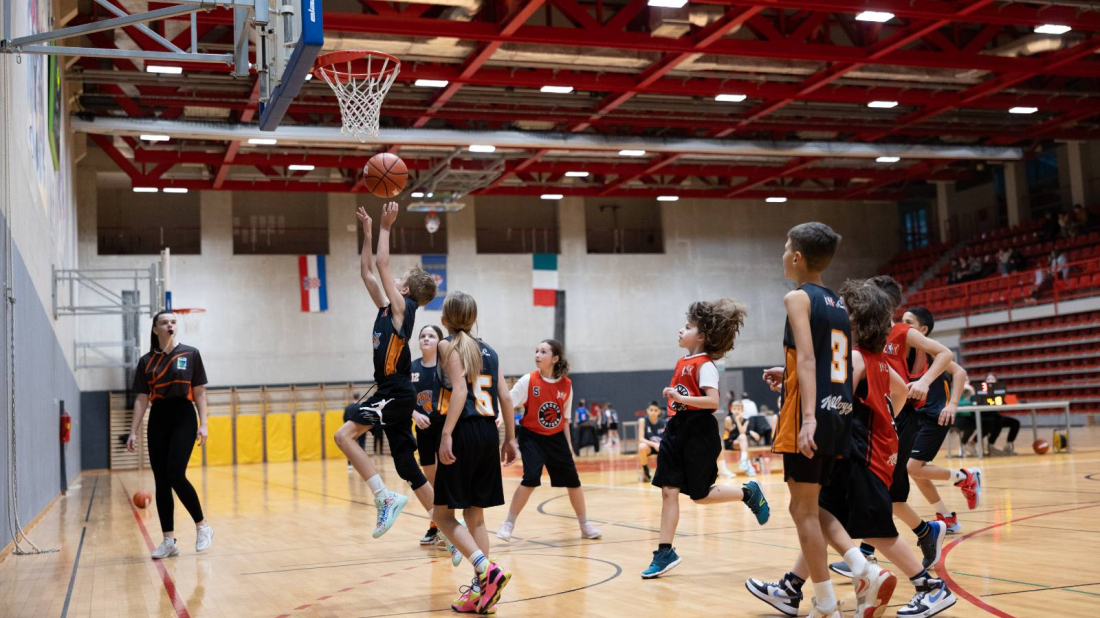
<point x="289" y="44"/>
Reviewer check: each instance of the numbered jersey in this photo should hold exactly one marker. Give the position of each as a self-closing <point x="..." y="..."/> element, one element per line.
<point x="874" y="439"/>
<point x="939" y="392"/>
<point x="830" y="334"/>
<point x="545" y="404"/>
<point x="688" y="380"/>
<point x="481" y="393"/>
<point x="391" y="351"/>
<point x="425" y="381"/>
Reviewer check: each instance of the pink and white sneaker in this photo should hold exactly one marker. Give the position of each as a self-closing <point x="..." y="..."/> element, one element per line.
<point x="466" y="603"/>
<point x="491" y="583"/>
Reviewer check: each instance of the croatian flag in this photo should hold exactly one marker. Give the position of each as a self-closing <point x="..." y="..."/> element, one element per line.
<point x="545" y="279"/>
<point x="311" y="281"/>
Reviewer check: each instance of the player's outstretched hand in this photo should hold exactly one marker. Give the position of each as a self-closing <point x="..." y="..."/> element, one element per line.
<point x="509" y="453"/>
<point x="947" y="415"/>
<point x="806" y="444"/>
<point x="364" y="217"/>
<point x="389" y="214"/>
<point x="445" y="454"/>
<point x="774" y="378"/>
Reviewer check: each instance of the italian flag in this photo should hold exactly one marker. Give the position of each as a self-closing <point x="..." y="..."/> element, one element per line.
<point x="545" y="279"/>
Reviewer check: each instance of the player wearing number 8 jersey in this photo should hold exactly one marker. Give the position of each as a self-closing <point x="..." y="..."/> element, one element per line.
<point x="473" y="394"/>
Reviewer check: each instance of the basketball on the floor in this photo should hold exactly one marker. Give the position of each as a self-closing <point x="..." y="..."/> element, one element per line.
<point x="386" y="175"/>
<point x="1041" y="446"/>
<point x="142" y="499"/>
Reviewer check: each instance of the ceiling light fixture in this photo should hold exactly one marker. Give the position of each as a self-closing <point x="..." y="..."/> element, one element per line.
<point x="153" y="68"/>
<point x="668" y="198"/>
<point x="775" y="200"/>
<point x="668" y="4"/>
<point x="482" y="148"/>
<point x="145" y="189"/>
<point x="155" y="138"/>
<point x="875" y="16"/>
<point x="431" y="83"/>
<point x="298" y="167"/>
<point x="576" y="174"/>
<point x="551" y="196"/>
<point x="631" y="153"/>
<point x="417" y="194"/>
<point x="1023" y="110"/>
<point x="1052" y="29"/>
<point x="730" y="98"/>
<point x="888" y="159"/>
<point x="883" y="104"/>
<point x="263" y="141"/>
<point x="556" y="89"/>
<point x="175" y="190"/>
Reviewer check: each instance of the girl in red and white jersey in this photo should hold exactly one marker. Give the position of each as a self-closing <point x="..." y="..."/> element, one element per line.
<point x="547" y="397"/>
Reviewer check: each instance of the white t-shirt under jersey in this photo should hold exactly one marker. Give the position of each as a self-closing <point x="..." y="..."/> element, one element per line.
<point x="523" y="386"/>
<point x="708" y="374"/>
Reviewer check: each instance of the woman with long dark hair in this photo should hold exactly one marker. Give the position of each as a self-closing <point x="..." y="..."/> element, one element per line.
<point x="172" y="378"/>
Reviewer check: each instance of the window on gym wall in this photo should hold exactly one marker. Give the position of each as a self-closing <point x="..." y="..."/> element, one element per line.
<point x="280" y="223"/>
<point x="516" y="225"/>
<point x="131" y="223"/>
<point x="623" y="226"/>
<point x="409" y="235"/>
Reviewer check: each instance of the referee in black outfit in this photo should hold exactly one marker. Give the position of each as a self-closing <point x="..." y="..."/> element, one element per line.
<point x="171" y="377"/>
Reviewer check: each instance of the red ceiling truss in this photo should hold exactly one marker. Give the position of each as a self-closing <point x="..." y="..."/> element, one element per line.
<point x="807" y="70"/>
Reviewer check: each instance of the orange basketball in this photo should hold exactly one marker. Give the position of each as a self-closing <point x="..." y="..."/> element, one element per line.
<point x="1041" y="446"/>
<point x="142" y="499"/>
<point x="386" y="175"/>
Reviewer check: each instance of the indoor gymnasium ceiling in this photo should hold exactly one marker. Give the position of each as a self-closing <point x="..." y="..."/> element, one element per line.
<point x="937" y="74"/>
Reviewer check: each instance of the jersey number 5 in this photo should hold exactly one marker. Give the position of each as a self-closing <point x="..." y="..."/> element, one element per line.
<point x="838" y="372"/>
<point x="481" y="387"/>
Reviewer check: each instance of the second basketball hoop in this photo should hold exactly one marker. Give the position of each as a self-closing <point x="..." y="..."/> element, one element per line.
<point x="360" y="80"/>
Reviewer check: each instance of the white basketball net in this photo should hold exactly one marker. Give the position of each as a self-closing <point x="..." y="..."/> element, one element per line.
<point x="360" y="94"/>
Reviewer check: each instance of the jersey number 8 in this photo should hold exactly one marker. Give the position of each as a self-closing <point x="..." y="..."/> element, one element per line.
<point x="838" y="372"/>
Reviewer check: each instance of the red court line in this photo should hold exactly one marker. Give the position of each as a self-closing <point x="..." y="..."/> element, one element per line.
<point x="941" y="567"/>
<point x="169" y="585"/>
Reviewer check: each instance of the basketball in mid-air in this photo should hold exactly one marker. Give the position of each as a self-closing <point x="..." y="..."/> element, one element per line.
<point x="386" y="175"/>
<point x="142" y="499"/>
<point x="1041" y="446"/>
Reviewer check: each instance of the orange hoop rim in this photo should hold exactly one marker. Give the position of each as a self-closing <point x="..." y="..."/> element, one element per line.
<point x="326" y="63"/>
<point x="189" y="310"/>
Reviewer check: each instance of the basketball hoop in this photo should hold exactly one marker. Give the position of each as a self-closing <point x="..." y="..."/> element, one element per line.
<point x="192" y="319"/>
<point x="360" y="80"/>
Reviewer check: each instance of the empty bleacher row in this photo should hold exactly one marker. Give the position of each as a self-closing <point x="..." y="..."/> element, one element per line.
<point x="1046" y="359"/>
<point x="907" y="266"/>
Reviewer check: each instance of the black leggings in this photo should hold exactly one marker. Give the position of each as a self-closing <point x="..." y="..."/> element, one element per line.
<point x="173" y="426"/>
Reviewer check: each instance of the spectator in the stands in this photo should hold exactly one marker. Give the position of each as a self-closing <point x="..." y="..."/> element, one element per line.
<point x="759" y="427"/>
<point x="1067" y="225"/>
<point x="1004" y="261"/>
<point x="1044" y="282"/>
<point x="1050" y="228"/>
<point x="1016" y="261"/>
<point x="1058" y="264"/>
<point x="1081" y="218"/>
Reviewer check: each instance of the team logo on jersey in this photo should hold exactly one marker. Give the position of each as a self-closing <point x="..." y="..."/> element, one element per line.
<point x="181" y="362"/>
<point x="829" y="300"/>
<point x="891" y="348"/>
<point x="424" y="399"/>
<point x="680" y="388"/>
<point x="549" y="415"/>
<point x="561" y="395"/>
<point x="535" y="391"/>
<point x="687" y="370"/>
<point x="893" y="459"/>
<point x="836" y="404"/>
<point x="377" y="339"/>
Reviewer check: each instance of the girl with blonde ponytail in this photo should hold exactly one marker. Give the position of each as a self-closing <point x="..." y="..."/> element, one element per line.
<point x="544" y="440"/>
<point x="468" y="476"/>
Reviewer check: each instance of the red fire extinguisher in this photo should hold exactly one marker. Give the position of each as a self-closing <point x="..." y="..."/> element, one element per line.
<point x="66" y="427"/>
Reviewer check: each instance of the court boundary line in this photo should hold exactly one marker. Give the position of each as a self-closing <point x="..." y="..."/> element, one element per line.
<point x="944" y="573"/>
<point x="169" y="584"/>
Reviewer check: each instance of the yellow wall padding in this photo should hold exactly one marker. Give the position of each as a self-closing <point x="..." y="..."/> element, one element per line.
<point x="250" y="439"/>
<point x="334" y="419"/>
<point x="280" y="445"/>
<point x="307" y="436"/>
<point x="219" y="443"/>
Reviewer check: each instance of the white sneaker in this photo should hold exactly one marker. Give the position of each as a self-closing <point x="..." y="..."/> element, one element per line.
<point x="826" y="613"/>
<point x="389" y="507"/>
<point x="167" y="549"/>
<point x="203" y="537"/>
<point x="456" y="556"/>
<point x="873" y="590"/>
<point x="588" y="531"/>
<point x="504" y="532"/>
<point x="744" y="464"/>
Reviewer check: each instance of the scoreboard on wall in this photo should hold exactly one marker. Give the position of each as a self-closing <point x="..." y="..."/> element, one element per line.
<point x="994" y="394"/>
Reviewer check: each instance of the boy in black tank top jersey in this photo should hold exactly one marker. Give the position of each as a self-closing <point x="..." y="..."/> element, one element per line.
<point x="391" y="406"/>
<point x="814" y="421"/>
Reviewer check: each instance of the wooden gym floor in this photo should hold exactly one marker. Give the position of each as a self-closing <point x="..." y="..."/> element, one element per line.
<point x="294" y="541"/>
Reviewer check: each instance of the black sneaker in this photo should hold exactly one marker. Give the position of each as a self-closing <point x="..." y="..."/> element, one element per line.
<point x="931" y="544"/>
<point x="781" y="594"/>
<point x="933" y="596"/>
<point x="431" y="537"/>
